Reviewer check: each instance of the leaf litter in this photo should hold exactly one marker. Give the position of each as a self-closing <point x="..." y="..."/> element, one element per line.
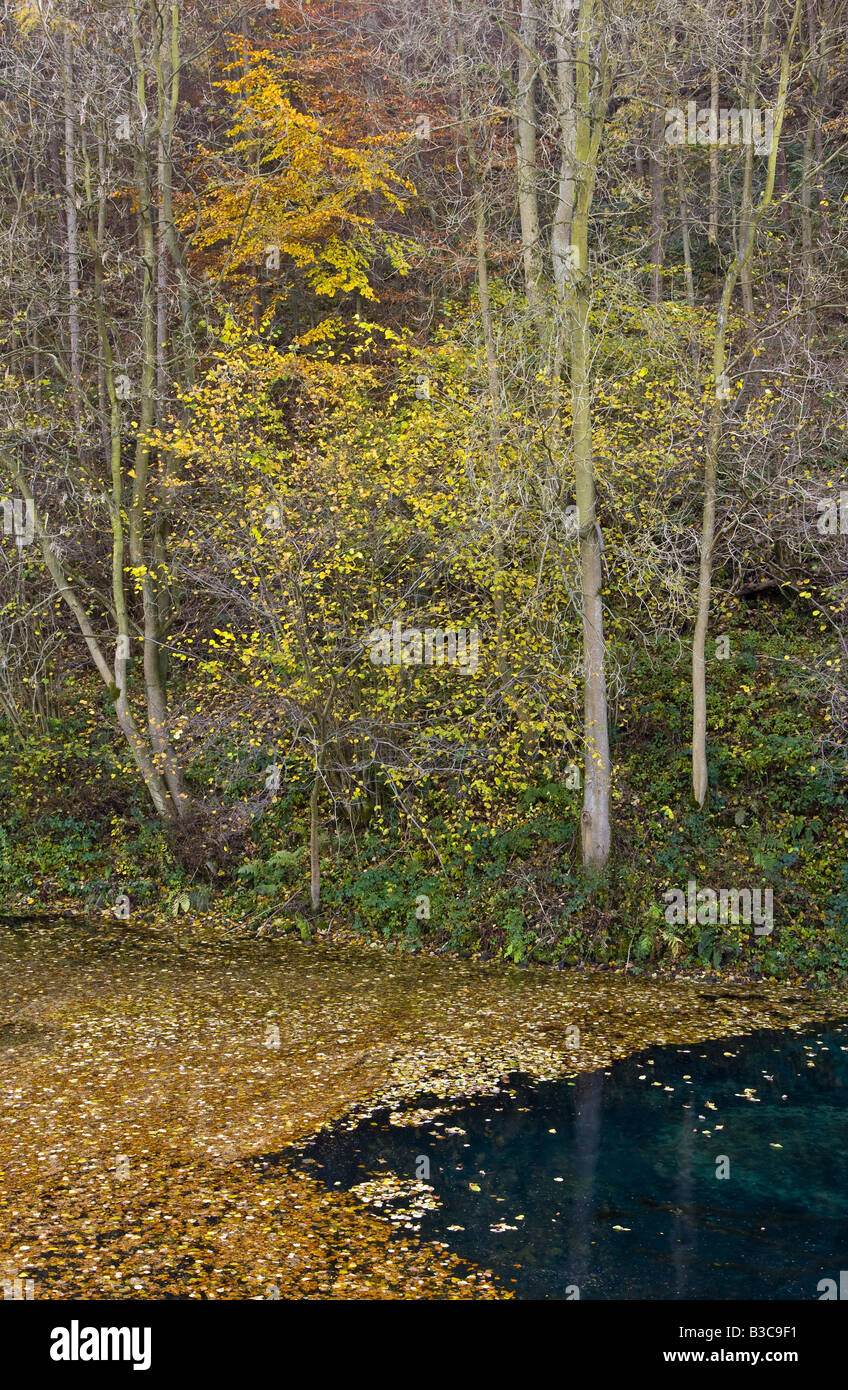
<point x="144" y="1086"/>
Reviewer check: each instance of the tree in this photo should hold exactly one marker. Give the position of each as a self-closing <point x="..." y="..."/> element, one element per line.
<point x="750" y="224"/>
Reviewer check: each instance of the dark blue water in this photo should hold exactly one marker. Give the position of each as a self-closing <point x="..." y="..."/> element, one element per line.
<point x="543" y="1176"/>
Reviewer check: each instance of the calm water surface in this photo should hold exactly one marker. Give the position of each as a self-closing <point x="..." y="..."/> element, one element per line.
<point x="612" y="1183"/>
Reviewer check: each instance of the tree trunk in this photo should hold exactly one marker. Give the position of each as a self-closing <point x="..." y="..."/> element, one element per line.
<point x="525" y="152"/>
<point x="164" y="756"/>
<point x="751" y="79"/>
<point x="656" y="170"/>
<point x="492" y="373"/>
<point x="746" y="281"/>
<point x="705" y="573"/>
<point x="595" y="819"/>
<point x="699" y="684"/>
<point x="72" y="222"/>
<point x="684" y="230"/>
<point x="314" y="858"/>
<point x="713" y="220"/>
<point x="564" y="208"/>
<point x="806" y="214"/>
<point x="563" y="212"/>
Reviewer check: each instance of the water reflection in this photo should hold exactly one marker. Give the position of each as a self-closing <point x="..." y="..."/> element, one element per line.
<point x="587" y="1133"/>
<point x="716" y="1171"/>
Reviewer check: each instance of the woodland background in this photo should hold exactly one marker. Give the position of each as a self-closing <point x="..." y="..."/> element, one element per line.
<point x="319" y="316"/>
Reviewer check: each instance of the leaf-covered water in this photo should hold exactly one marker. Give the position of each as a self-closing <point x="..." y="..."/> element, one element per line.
<point x="142" y="1080"/>
<point x="716" y="1171"/>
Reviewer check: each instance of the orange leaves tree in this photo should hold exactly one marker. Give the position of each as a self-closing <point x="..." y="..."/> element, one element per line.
<point x="289" y="206"/>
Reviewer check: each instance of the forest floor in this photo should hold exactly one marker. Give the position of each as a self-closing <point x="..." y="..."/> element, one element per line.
<point x="143" y="1082"/>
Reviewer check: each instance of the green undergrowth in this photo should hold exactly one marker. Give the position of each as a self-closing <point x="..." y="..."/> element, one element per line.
<point x="75" y="827"/>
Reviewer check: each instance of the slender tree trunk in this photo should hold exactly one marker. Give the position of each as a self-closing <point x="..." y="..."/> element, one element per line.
<point x="595" y="819"/>
<point x="596" y="790"/>
<point x="99" y="235"/>
<point x="655" y="163"/>
<point x="751" y="80"/>
<point x="525" y="152"/>
<point x="705" y="573"/>
<point x="564" y="208"/>
<point x="156" y="699"/>
<point x="170" y="82"/>
<point x="746" y="279"/>
<point x="819" y="73"/>
<point x="700" y="777"/>
<point x="806" y="195"/>
<point x="684" y="230"/>
<point x="492" y="373"/>
<point x="155" y="695"/>
<point x="72" y="222"/>
<point x="314" y="858"/>
<point x="783" y="187"/>
<point x="713" y="219"/>
<point x="161" y="295"/>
